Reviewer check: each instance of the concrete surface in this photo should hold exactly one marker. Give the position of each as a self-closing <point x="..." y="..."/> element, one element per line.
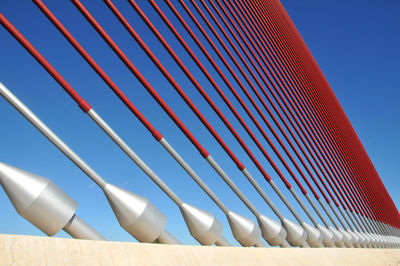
<point x="32" y="250"/>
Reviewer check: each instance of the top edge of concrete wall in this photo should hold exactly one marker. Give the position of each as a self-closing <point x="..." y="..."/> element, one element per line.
<point x="33" y="250"/>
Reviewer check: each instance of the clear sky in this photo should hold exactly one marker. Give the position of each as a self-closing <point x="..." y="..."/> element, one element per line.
<point x="354" y="42"/>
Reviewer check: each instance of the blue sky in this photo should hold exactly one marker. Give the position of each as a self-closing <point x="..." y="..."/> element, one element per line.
<point x="354" y="42"/>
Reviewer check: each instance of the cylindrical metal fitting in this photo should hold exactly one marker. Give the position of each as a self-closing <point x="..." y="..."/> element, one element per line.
<point x="272" y="231"/>
<point x="135" y="214"/>
<point x="296" y="235"/>
<point x="79" y="229"/>
<point x="245" y="231"/>
<point x="37" y="199"/>
<point x="202" y="225"/>
<point x="44" y="204"/>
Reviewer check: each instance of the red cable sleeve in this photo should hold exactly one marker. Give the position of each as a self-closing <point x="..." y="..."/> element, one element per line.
<point x="140" y="77"/>
<point x="157" y="135"/>
<point x="46" y="65"/>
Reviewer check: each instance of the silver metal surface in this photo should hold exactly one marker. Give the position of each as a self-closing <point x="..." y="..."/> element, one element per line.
<point x="133" y="156"/>
<point x="262" y="193"/>
<point x="373" y="241"/>
<point x="370" y="240"/>
<point x="260" y="244"/>
<point x="355" y="223"/>
<point x="305" y="209"/>
<point x="339" y="238"/>
<point x="202" y="225"/>
<point x="269" y="228"/>
<point x="343" y="215"/>
<point x="383" y="227"/>
<point x="378" y="226"/>
<point x="245" y="231"/>
<point x="222" y="242"/>
<point x="272" y="231"/>
<point x="348" y="234"/>
<point x="239" y="228"/>
<point x="285" y="201"/>
<point x="193" y="175"/>
<point x="135" y="214"/>
<point x="44" y="204"/>
<point x="143" y="220"/>
<point x="232" y="185"/>
<point x="329" y="238"/>
<point x="53" y="138"/>
<point x="316" y="210"/>
<point x="356" y="240"/>
<point x="363" y="241"/>
<point x="167" y="238"/>
<point x="314" y="236"/>
<point x="198" y="221"/>
<point x="374" y="226"/>
<point x="78" y="228"/>
<point x="360" y="219"/>
<point x="285" y="244"/>
<point x="321" y="203"/>
<point x="296" y="234"/>
<point x="347" y="239"/>
<point x="378" y="232"/>
<point x="378" y="241"/>
<point x="37" y="199"/>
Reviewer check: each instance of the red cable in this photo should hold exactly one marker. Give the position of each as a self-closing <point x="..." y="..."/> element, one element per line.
<point x="230" y="87"/>
<point x="169" y="49"/>
<point x="142" y="80"/>
<point x="331" y="162"/>
<point x="98" y="69"/>
<point x="269" y="99"/>
<point x="303" y="141"/>
<point x="46" y="65"/>
<point x="310" y="136"/>
<point x="318" y="155"/>
<point x="259" y="97"/>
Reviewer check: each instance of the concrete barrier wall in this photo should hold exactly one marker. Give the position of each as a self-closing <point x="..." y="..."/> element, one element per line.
<point x="31" y="250"/>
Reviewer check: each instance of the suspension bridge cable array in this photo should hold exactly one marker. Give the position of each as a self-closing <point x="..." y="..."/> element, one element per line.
<point x="250" y="65"/>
